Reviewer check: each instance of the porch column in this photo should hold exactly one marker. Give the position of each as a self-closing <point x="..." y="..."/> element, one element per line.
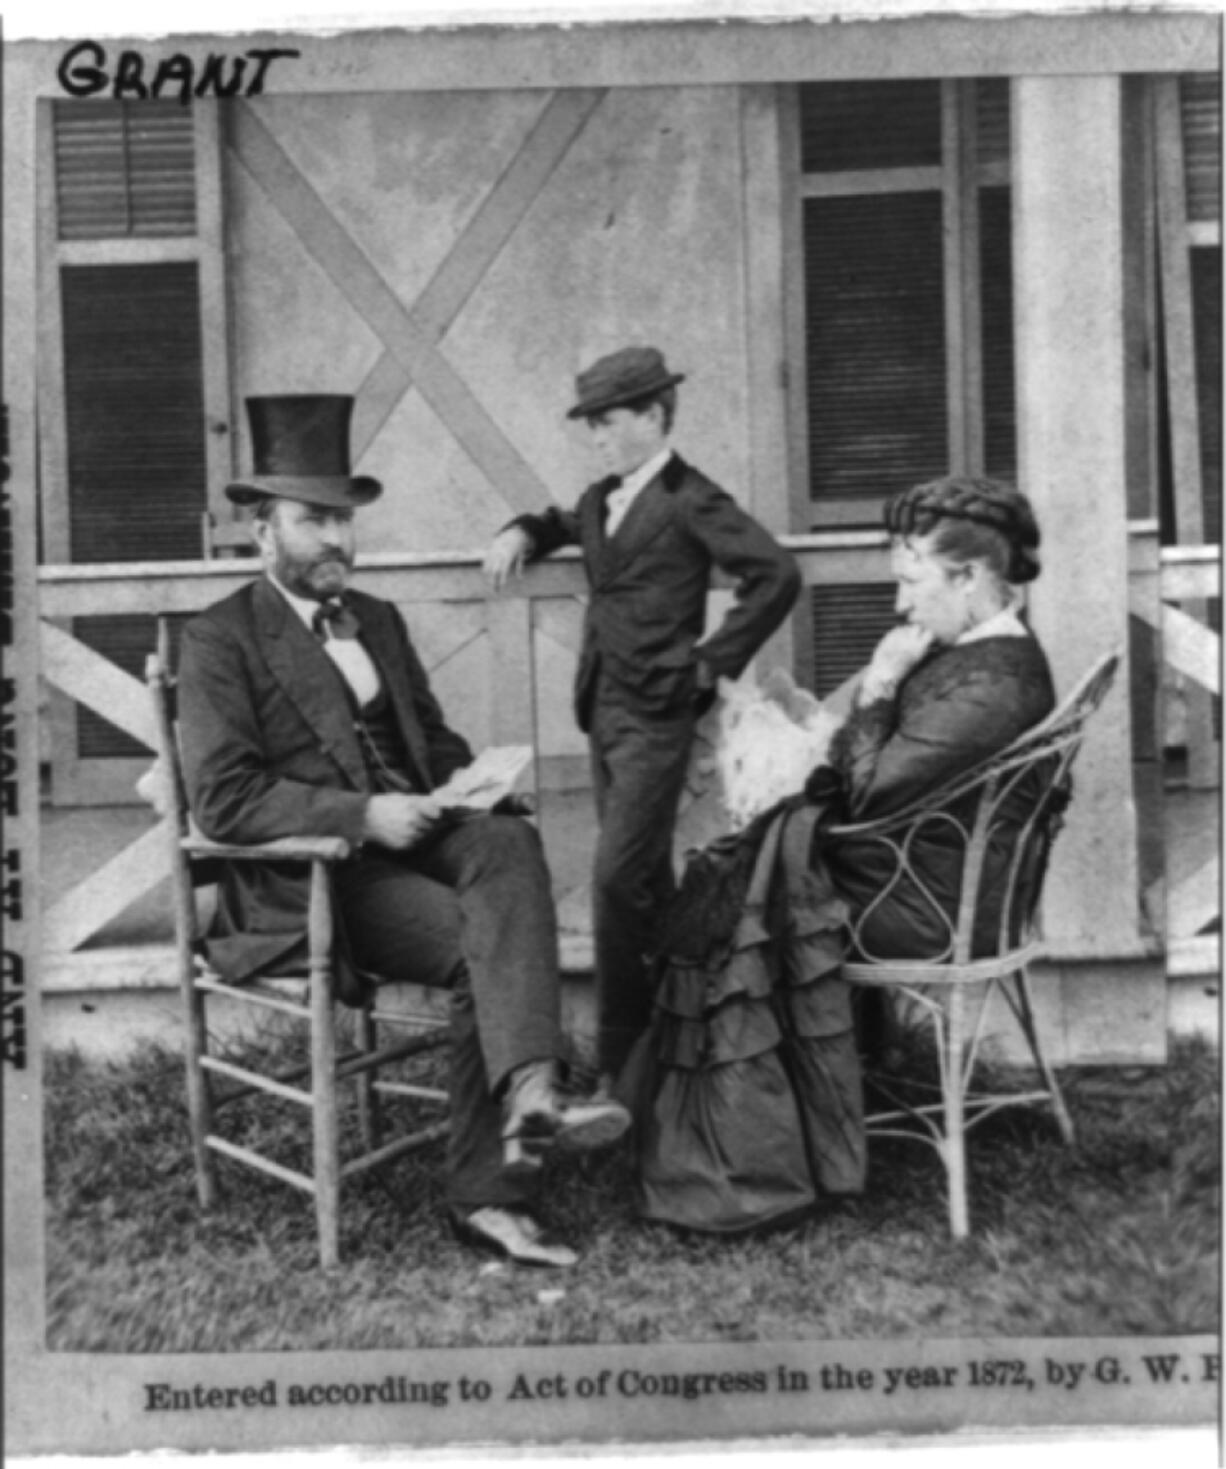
<point x="1068" y="261"/>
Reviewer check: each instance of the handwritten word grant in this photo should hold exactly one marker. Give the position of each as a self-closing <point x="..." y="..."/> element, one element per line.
<point x="83" y="72"/>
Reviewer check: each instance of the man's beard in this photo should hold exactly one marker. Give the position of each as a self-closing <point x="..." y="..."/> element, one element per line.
<point x="318" y="579"/>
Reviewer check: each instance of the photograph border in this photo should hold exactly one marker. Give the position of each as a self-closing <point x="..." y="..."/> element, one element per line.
<point x="97" y="1404"/>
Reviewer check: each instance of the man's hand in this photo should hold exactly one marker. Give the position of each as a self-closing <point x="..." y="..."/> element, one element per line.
<point x="506" y="556"/>
<point x="400" y="822"/>
<point x="893" y="658"/>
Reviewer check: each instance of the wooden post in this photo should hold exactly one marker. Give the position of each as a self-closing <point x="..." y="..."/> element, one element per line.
<point x="1068" y="274"/>
<point x="765" y="334"/>
<point x="323" y="1068"/>
<point x="1180" y="343"/>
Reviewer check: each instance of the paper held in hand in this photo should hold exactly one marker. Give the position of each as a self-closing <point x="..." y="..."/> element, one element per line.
<point x="484" y="783"/>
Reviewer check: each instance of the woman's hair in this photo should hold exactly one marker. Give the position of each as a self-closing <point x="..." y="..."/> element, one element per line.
<point x="970" y="519"/>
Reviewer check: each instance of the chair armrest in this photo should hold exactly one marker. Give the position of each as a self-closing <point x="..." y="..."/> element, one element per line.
<point x="285" y="849"/>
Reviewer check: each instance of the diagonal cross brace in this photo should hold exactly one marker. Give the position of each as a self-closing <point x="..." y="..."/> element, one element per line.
<point x="411" y="334"/>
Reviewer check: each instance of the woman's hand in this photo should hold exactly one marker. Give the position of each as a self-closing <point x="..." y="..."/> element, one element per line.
<point x="893" y="658"/>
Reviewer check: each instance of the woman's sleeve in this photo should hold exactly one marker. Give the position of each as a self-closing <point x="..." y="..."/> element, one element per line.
<point x="891" y="751"/>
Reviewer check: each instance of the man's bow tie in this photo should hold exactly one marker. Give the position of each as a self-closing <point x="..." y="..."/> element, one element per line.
<point x="336" y="618"/>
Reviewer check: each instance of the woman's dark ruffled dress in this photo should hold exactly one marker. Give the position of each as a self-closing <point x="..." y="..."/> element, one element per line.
<point x="746" y="1087"/>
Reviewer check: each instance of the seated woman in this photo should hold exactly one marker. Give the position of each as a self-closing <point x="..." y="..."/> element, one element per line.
<point x="746" y="1088"/>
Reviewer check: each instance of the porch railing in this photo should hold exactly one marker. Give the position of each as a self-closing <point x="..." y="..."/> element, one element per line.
<point x="545" y="603"/>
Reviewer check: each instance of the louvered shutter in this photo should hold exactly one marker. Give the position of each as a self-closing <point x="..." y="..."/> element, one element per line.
<point x="135" y="422"/>
<point x="134" y="411"/>
<point x="133" y="371"/>
<point x="1201" y="114"/>
<point x="847" y="126"/>
<point x="124" y="169"/>
<point x="848" y="622"/>
<point x="1201" y="108"/>
<point x="992" y="123"/>
<point x="877" y="359"/>
<point x="1207" y="311"/>
<point x="996" y="303"/>
<point x="875" y="325"/>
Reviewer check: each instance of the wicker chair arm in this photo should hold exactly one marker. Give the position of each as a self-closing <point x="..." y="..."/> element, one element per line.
<point x="284" y="849"/>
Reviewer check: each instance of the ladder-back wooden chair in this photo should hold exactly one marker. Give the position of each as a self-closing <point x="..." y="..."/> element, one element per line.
<point x="307" y="997"/>
<point x="967" y="812"/>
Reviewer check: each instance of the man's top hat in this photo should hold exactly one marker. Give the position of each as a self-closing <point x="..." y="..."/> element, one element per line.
<point x="300" y="448"/>
<point x="620" y="378"/>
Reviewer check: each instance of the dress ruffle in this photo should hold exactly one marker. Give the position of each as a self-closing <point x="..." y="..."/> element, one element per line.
<point x="749" y="1048"/>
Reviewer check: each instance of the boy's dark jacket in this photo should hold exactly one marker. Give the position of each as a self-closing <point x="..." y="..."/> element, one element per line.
<point x="649" y="587"/>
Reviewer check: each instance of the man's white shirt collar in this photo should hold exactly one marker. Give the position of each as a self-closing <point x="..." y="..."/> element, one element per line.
<point x="355" y="663"/>
<point x="631" y="487"/>
<point x="305" y="607"/>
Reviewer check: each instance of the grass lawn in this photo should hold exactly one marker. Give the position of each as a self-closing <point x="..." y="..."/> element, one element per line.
<point x="1116" y="1236"/>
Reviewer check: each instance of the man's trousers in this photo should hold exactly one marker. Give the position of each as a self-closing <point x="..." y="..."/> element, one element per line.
<point x="638" y="773"/>
<point x="470" y="909"/>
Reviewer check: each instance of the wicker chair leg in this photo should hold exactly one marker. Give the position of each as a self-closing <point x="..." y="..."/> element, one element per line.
<point x="952" y="1081"/>
<point x="1025" y="1013"/>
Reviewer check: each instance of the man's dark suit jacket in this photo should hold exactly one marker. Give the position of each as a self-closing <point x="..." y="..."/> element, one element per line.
<point x="649" y="586"/>
<point x="269" y="750"/>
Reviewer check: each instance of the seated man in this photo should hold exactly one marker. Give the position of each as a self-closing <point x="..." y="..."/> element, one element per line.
<point x="305" y="711"/>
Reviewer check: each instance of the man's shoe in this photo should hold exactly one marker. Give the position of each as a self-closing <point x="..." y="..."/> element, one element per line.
<point x="535" y="1117"/>
<point x="516" y="1235"/>
<point x="595" y="1122"/>
<point x="531" y="1117"/>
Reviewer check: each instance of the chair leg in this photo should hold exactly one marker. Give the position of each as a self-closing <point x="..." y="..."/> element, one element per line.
<point x="368" y="1097"/>
<point x="952" y="1082"/>
<point x="199" y="1097"/>
<point x="323" y="1071"/>
<point x="1025" y="1014"/>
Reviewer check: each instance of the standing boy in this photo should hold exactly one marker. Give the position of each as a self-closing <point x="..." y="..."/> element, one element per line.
<point x="651" y="532"/>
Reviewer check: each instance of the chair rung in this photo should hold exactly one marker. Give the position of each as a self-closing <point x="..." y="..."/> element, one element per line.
<point x="974" y="971"/>
<point x="251" y="995"/>
<point x="265" y="1165"/>
<point x="406" y="1017"/>
<point x="392" y="1150"/>
<point x="255" y="1080"/>
<point x="355" y="1062"/>
<point x="406" y="1089"/>
<point x="292" y="1073"/>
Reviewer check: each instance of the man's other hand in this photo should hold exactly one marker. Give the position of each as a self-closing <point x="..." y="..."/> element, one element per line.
<point x="506" y="556"/>
<point x="400" y="822"/>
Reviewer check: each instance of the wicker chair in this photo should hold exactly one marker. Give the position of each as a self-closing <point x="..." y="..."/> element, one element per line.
<point x="966" y="812"/>
<point x="306" y="997"/>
